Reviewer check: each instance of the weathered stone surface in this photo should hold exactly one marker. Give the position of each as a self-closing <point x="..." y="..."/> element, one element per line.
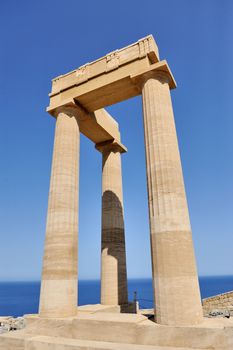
<point x="219" y="305"/>
<point x="103" y="85"/>
<point x="176" y="287"/>
<point x="8" y="323"/>
<point x="113" y="256"/>
<point x="111" y="61"/>
<point x="122" y="329"/>
<point x="59" y="343"/>
<point x="117" y="76"/>
<point x="98" y="126"/>
<point x="58" y="296"/>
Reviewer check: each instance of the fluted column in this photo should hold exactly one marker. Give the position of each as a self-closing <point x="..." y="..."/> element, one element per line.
<point x="113" y="256"/>
<point x="58" y="297"/>
<point x="176" y="287"/>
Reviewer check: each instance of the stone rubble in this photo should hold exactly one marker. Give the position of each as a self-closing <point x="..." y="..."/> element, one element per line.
<point x="220" y="305"/>
<point x="9" y="323"/>
<point x="220" y="313"/>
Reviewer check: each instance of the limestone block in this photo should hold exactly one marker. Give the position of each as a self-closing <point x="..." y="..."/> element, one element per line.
<point x="124" y="329"/>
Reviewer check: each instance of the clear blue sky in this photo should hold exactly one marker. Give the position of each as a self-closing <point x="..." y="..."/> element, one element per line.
<point x="43" y="39"/>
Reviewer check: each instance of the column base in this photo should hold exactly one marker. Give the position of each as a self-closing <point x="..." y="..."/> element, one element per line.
<point x="129" y="308"/>
<point x="58" y="298"/>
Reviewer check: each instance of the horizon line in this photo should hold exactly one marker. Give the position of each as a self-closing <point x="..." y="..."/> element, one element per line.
<point x="99" y="279"/>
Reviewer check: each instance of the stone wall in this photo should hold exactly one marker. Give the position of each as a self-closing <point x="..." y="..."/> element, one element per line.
<point x="221" y="302"/>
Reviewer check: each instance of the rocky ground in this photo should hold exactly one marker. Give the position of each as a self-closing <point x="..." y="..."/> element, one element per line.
<point x="8" y="323"/>
<point x="211" y="313"/>
<point x="220" y="312"/>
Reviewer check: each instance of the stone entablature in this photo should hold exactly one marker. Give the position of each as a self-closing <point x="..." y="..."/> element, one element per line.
<point x="113" y="60"/>
<point x="111" y="79"/>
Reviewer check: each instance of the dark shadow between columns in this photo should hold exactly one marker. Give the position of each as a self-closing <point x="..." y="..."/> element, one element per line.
<point x="113" y="239"/>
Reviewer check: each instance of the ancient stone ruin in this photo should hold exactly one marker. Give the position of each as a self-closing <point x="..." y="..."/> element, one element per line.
<point x="77" y="101"/>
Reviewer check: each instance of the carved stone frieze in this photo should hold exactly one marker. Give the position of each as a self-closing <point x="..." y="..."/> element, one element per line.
<point x="112" y="61"/>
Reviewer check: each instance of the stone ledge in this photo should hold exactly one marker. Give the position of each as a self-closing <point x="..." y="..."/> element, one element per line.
<point x="126" y="330"/>
<point x="58" y="343"/>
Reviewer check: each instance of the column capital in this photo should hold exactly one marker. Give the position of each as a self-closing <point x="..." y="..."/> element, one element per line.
<point x="99" y="126"/>
<point x="159" y="71"/>
<point x="111" y="146"/>
<point x="72" y="109"/>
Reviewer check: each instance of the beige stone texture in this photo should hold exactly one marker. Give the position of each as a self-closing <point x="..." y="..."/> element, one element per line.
<point x="130" y="308"/>
<point x="113" y="255"/>
<point x="58" y="297"/>
<point x="110" y="79"/>
<point x="35" y="342"/>
<point x="77" y="100"/>
<point x="113" y="78"/>
<point x="117" y="331"/>
<point x="222" y="301"/>
<point x="53" y="343"/>
<point x="93" y="308"/>
<point x="98" y="126"/>
<point x="176" y="288"/>
<point x="106" y="78"/>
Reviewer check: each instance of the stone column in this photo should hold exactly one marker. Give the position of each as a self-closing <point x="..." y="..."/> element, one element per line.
<point x="176" y="287"/>
<point x="58" y="296"/>
<point x="113" y="257"/>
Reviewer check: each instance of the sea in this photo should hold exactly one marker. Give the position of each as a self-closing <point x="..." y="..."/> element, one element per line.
<point x="19" y="298"/>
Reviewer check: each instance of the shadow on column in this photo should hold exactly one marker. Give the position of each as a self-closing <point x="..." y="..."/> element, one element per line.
<point x="113" y="239"/>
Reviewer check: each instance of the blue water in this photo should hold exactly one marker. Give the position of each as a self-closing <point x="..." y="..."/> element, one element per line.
<point x="19" y="298"/>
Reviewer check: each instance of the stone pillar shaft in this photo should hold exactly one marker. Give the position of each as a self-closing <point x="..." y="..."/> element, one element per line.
<point x="58" y="296"/>
<point x="176" y="287"/>
<point x="113" y="256"/>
